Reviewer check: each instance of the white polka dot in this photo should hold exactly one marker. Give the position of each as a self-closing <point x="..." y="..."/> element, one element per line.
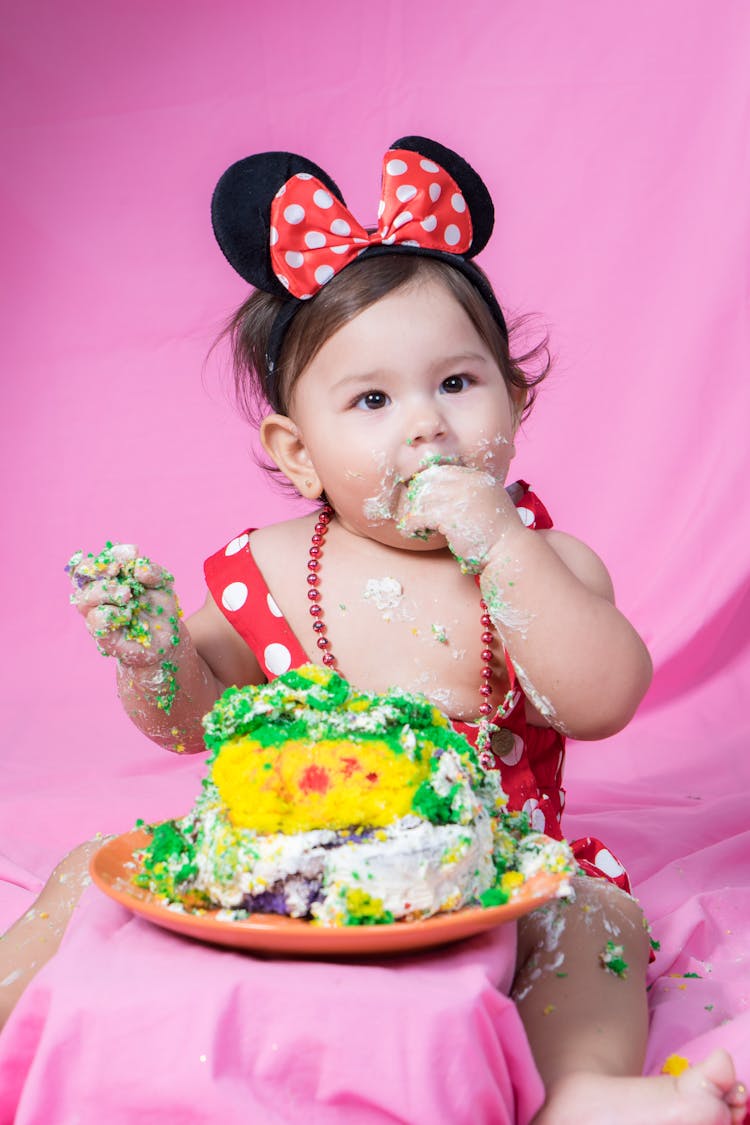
<point x="389" y="240"/>
<point x="294" y="259"/>
<point x="277" y="658"/>
<point x="274" y="238"/>
<point x="284" y="280"/>
<point x="281" y="191"/>
<point x="526" y="516"/>
<point x="237" y="544"/>
<point x="561" y="796"/>
<point x="340" y="226"/>
<point x="305" y="296"/>
<point x="514" y="755"/>
<point x="294" y="213"/>
<point x="405" y="192"/>
<point x="324" y="274"/>
<point x="458" y="203"/>
<point x="535" y="814"/>
<point x="323" y="199"/>
<point x="395" y="167"/>
<point x="607" y="863"/>
<point x="435" y="190"/>
<point x="452" y="234"/>
<point x="404" y="217"/>
<point x="429" y="223"/>
<point x="381" y="207"/>
<point x="429" y="166"/>
<point x="340" y="249"/>
<point x="360" y="240"/>
<point x="234" y="596"/>
<point x="315" y="239"/>
<point x="273" y="607"/>
<point x="304" y="176"/>
<point x="411" y="242"/>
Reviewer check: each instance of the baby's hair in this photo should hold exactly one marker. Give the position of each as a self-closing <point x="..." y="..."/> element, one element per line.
<point x="358" y="287"/>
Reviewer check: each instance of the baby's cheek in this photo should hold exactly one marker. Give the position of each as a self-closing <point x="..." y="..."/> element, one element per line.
<point x="381" y="505"/>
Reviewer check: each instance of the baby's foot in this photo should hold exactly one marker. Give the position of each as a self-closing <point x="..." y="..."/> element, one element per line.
<point x="706" y="1094"/>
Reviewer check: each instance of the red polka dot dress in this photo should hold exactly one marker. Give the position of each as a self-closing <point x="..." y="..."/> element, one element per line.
<point x="530" y="758"/>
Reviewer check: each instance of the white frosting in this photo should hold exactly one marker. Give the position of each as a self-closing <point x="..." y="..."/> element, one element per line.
<point x="414" y="868"/>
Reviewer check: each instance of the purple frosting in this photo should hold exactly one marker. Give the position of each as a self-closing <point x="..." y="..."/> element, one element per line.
<point x="274" y="900"/>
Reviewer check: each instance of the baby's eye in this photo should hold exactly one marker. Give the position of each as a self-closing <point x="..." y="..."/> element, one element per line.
<point x="454" y="384"/>
<point x="372" y="400"/>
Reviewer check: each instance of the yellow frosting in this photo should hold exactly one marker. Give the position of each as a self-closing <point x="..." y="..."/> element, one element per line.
<point x="299" y="786"/>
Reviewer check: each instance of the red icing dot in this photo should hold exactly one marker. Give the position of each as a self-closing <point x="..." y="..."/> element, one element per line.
<point x="350" y="765"/>
<point x="372" y="777"/>
<point x="315" y="779"/>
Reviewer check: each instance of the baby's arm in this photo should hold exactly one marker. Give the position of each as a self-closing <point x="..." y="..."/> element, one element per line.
<point x="169" y="672"/>
<point x="579" y="660"/>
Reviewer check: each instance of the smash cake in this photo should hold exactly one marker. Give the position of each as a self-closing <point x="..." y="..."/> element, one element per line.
<point x="344" y="808"/>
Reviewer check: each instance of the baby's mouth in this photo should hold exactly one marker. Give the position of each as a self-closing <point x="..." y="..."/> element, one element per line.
<point x="381" y="508"/>
<point x="429" y="461"/>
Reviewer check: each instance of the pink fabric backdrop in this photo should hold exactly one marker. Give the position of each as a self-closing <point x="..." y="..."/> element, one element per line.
<point x="614" y="140"/>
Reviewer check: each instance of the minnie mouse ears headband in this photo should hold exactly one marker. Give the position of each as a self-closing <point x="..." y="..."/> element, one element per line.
<point x="282" y="223"/>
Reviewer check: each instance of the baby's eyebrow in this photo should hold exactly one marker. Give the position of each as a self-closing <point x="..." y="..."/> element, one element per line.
<point x="360" y="378"/>
<point x="461" y="357"/>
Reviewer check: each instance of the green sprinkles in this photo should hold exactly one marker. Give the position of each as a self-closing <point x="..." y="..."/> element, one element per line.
<point x="611" y="958"/>
<point x="494" y="896"/>
<point x="364" y="910"/>
<point x="469" y="565"/>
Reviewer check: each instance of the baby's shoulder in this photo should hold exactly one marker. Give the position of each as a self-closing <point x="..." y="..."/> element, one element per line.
<point x="579" y="558"/>
<point x="281" y="549"/>
<point x="288" y="535"/>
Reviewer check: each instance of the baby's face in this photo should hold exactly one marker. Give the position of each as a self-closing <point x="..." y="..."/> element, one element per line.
<point x="406" y="384"/>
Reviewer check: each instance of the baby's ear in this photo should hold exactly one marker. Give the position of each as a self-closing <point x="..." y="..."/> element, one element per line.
<point x="283" y="443"/>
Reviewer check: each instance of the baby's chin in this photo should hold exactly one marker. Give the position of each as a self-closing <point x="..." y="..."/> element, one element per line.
<point x="388" y="533"/>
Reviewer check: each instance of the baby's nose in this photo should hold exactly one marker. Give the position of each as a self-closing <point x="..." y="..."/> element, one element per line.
<point x="425" y="425"/>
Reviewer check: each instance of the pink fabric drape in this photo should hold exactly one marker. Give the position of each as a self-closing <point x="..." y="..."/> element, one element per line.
<point x="615" y="143"/>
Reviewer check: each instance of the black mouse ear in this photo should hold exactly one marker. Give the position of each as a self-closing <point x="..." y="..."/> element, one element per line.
<point x="478" y="199"/>
<point x="241" y="212"/>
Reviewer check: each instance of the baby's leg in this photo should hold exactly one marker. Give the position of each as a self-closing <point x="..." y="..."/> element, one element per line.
<point x="581" y="993"/>
<point x="34" y="938"/>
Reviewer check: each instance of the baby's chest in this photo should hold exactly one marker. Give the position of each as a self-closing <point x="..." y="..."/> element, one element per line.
<point x="385" y="626"/>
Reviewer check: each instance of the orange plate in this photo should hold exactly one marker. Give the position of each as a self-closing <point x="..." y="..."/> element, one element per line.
<point x="113" y="867"/>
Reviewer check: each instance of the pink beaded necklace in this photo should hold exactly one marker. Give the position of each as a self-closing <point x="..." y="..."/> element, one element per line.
<point x="319" y="626"/>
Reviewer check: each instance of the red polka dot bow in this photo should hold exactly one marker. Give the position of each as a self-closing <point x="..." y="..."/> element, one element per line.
<point x="313" y="236"/>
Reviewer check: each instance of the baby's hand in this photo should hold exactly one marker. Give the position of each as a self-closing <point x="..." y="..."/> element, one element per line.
<point x="469" y="507"/>
<point x="128" y="603"/>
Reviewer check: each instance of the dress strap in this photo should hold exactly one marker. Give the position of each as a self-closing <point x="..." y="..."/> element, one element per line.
<point x="241" y="593"/>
